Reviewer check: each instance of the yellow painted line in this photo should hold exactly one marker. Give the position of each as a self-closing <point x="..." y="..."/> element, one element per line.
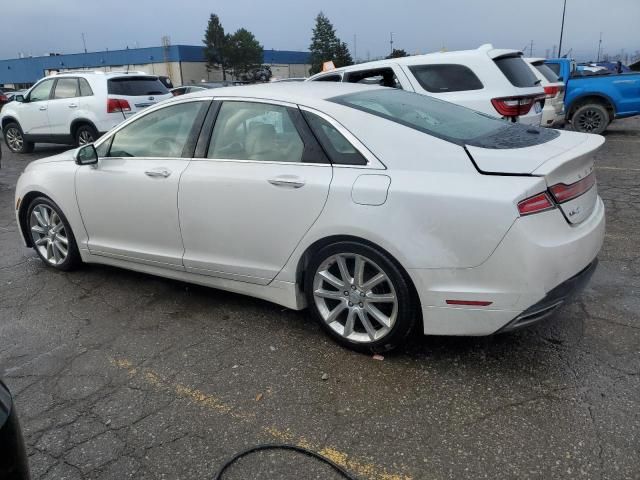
<point x="362" y="468"/>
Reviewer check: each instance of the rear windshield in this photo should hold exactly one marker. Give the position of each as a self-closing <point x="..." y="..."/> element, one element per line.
<point x="136" y="86"/>
<point x="546" y="72"/>
<point x="554" y="67"/>
<point x="444" y="120"/>
<point x="517" y="71"/>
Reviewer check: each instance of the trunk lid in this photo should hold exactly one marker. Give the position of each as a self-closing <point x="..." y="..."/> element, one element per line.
<point x="563" y="161"/>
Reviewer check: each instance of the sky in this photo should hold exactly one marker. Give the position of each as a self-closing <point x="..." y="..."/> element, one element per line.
<point x="36" y="27"/>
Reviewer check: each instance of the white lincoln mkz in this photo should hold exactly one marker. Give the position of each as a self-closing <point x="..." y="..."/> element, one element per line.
<point x="378" y="209"/>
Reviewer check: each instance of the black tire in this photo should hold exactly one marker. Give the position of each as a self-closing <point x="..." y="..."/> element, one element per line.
<point x="73" y="259"/>
<point x="85" y="134"/>
<point x="590" y="118"/>
<point x="407" y="303"/>
<point x="14" y="139"/>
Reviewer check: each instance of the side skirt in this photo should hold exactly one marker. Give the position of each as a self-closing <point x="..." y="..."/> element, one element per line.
<point x="282" y="293"/>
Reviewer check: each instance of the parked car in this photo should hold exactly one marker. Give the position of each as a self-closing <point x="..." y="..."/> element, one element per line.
<point x="493" y="81"/>
<point x="376" y="208"/>
<point x="290" y="79"/>
<point x="76" y="108"/>
<point x="4" y="98"/>
<point x="13" y="461"/>
<point x="592" y="102"/>
<point x="259" y="74"/>
<point x="553" y="110"/>
<point x="186" y="89"/>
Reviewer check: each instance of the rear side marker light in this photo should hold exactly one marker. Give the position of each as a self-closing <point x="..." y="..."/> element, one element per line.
<point x="469" y="303"/>
<point x="535" y="204"/>
<point x="563" y="193"/>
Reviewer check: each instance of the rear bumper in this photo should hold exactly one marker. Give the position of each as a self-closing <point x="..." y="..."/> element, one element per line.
<point x="552" y="301"/>
<point x="539" y="253"/>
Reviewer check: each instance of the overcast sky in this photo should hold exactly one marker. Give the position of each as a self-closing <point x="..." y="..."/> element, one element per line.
<point x="35" y="27"/>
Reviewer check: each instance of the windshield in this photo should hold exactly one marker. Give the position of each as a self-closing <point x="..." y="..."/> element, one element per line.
<point x="427" y="114"/>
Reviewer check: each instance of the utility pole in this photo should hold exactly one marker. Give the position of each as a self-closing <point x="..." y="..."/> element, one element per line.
<point x="391" y="41"/>
<point x="84" y="43"/>
<point x="599" y="47"/>
<point x="554" y="52"/>
<point x="531" y="49"/>
<point x="564" y="9"/>
<point x="355" y="48"/>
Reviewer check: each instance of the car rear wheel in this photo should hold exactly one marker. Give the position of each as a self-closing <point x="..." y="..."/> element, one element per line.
<point x="51" y="235"/>
<point x="591" y="118"/>
<point x="86" y="134"/>
<point x="14" y="138"/>
<point x="360" y="297"/>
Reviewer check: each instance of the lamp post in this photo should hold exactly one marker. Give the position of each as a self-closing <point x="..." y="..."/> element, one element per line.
<point x="564" y="9"/>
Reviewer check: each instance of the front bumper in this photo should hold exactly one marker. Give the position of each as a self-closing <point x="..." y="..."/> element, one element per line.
<point x="552" y="301"/>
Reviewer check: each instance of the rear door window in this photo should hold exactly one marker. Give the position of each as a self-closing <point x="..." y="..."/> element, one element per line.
<point x="338" y="148"/>
<point x="329" y="78"/>
<point x="66" y="88"/>
<point x="517" y="71"/>
<point x="384" y="77"/>
<point x="446" y="78"/>
<point x="136" y="86"/>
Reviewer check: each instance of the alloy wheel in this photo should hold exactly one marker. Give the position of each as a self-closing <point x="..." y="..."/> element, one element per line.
<point x="590" y="120"/>
<point x="14" y="139"/>
<point x="48" y="234"/>
<point x="355" y="297"/>
<point x="85" y="137"/>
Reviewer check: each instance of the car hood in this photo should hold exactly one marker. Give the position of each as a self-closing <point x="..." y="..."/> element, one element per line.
<point x="67" y="156"/>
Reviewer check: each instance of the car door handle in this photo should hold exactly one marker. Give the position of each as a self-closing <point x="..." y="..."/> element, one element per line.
<point x="72" y="105"/>
<point x="290" y="181"/>
<point x="158" y="172"/>
<point x="43" y="108"/>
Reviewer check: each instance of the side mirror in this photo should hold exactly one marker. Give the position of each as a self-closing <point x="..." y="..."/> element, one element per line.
<point x="86" y="155"/>
<point x="19" y="98"/>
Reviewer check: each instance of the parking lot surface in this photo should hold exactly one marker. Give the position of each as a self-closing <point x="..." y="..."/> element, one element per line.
<point x="122" y="375"/>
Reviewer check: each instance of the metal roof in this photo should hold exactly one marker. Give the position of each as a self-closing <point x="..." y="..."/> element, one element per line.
<point x="29" y="70"/>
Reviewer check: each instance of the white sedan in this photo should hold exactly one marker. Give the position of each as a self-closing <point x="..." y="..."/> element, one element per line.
<point x="378" y="209"/>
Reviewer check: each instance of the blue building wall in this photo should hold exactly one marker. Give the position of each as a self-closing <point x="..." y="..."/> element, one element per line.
<point x="29" y="70"/>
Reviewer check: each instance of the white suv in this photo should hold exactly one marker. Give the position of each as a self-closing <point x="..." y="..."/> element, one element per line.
<point x="553" y="111"/>
<point x="76" y="108"/>
<point x="493" y="81"/>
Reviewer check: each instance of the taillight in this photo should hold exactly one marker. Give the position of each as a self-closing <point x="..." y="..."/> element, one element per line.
<point x="115" y="105"/>
<point x="563" y="193"/>
<point x="551" y="91"/>
<point x="514" y="106"/>
<point x="535" y="204"/>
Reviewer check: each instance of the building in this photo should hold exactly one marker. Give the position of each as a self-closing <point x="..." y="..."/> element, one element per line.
<point x="183" y="64"/>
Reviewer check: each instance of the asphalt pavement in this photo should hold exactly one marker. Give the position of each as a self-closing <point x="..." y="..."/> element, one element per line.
<point x="122" y="375"/>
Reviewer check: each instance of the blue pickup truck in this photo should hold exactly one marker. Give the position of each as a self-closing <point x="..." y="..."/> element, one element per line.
<point x="592" y="102"/>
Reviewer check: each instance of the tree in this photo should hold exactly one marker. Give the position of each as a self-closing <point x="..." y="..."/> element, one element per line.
<point x="325" y="46"/>
<point x="215" y="45"/>
<point x="397" y="53"/>
<point x="244" y="52"/>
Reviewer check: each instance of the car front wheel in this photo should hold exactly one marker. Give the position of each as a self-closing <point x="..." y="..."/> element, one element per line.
<point x="51" y="235"/>
<point x="360" y="297"/>
<point x="14" y="138"/>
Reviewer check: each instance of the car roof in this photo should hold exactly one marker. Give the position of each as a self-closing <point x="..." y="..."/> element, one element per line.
<point x="99" y="73"/>
<point x="302" y="93"/>
<point x="486" y="49"/>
